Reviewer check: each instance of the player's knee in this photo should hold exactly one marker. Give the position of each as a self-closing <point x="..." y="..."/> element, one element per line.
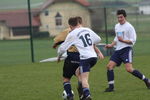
<point x="130" y="70"/>
<point x="66" y="80"/>
<point x="109" y="66"/>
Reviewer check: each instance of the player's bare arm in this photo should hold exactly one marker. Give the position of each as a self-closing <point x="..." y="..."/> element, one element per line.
<point x="98" y="52"/>
<point x="55" y="45"/>
<point x="110" y="45"/>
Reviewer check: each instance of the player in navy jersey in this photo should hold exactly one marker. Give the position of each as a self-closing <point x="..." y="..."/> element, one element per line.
<point x="71" y="63"/>
<point x="84" y="39"/>
<point x="124" y="40"/>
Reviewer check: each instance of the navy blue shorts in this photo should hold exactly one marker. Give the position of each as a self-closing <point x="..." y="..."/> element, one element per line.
<point x="71" y="63"/>
<point x="124" y="55"/>
<point x="86" y="64"/>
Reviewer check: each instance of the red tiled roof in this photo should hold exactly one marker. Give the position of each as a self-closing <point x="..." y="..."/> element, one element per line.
<point x="18" y="18"/>
<point x="83" y="2"/>
<point x="48" y="2"/>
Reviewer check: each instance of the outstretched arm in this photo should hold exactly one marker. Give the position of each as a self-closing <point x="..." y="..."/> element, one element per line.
<point x="56" y="44"/>
<point x="110" y="45"/>
<point x="99" y="53"/>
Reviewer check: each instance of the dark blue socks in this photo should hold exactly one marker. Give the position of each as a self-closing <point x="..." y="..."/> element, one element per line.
<point x="86" y="92"/>
<point x="67" y="88"/>
<point x="110" y="77"/>
<point x="136" y="73"/>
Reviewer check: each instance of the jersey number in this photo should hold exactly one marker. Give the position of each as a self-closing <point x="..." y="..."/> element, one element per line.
<point x="86" y="40"/>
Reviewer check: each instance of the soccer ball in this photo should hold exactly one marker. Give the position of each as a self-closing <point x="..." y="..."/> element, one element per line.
<point x="64" y="95"/>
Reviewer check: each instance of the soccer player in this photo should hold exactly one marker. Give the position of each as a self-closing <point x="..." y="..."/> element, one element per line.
<point x="84" y="39"/>
<point x="124" y="40"/>
<point x="71" y="63"/>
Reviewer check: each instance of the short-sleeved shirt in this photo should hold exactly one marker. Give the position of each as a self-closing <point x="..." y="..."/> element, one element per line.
<point x="127" y="32"/>
<point x="83" y="39"/>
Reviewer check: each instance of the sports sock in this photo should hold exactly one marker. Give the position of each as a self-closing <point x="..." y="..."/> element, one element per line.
<point x="136" y="73"/>
<point x="79" y="84"/>
<point x="80" y="91"/>
<point x="67" y="88"/>
<point x="86" y="92"/>
<point x="110" y="77"/>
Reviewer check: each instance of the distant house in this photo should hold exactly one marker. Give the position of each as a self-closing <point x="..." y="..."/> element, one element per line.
<point x="55" y="14"/>
<point x="15" y="24"/>
<point x="144" y="7"/>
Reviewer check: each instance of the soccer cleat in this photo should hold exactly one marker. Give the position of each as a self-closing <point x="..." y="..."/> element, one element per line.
<point x="148" y="83"/>
<point x="86" y="98"/>
<point x="70" y="98"/>
<point x="109" y="90"/>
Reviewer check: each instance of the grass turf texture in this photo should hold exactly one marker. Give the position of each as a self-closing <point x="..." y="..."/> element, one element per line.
<point x="21" y="80"/>
<point x="42" y="81"/>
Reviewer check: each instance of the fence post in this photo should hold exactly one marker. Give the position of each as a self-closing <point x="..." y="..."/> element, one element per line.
<point x="31" y="31"/>
<point x="106" y="33"/>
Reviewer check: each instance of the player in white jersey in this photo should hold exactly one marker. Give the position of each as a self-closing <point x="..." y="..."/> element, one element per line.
<point x="124" y="41"/>
<point x="84" y="39"/>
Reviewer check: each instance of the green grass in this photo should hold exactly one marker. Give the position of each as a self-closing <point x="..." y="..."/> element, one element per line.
<point x="42" y="81"/>
<point x="19" y="51"/>
<point x="22" y="80"/>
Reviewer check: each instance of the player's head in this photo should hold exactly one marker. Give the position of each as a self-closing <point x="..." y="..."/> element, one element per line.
<point x="79" y="19"/>
<point x="121" y="15"/>
<point x="74" y="22"/>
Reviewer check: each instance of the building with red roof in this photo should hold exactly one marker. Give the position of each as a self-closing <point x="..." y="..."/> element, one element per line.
<point x="54" y="14"/>
<point x="15" y="24"/>
<point x="51" y="17"/>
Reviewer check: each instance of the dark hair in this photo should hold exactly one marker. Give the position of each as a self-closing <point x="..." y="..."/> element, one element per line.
<point x="79" y="19"/>
<point x="73" y="21"/>
<point x="122" y="11"/>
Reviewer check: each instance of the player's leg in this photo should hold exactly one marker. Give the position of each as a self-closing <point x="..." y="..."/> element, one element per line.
<point x="67" y="86"/>
<point x="137" y="74"/>
<point x="67" y="74"/>
<point x="114" y="61"/>
<point x="85" y="86"/>
<point x="79" y="87"/>
<point x="85" y="67"/>
<point x="110" y="76"/>
<point x="127" y="57"/>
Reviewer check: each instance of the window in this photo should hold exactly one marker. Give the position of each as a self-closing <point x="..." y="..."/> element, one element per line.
<point x="46" y="13"/>
<point x="58" y="19"/>
<point x="47" y="26"/>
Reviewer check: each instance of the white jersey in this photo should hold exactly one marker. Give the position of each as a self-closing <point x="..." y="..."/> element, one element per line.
<point x="83" y="39"/>
<point x="127" y="32"/>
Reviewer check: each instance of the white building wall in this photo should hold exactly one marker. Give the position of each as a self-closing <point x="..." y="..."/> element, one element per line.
<point x="145" y="9"/>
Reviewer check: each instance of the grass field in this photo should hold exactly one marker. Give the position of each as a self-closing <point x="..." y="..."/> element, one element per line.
<point x="22" y="80"/>
<point x="19" y="51"/>
<point x="42" y="81"/>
